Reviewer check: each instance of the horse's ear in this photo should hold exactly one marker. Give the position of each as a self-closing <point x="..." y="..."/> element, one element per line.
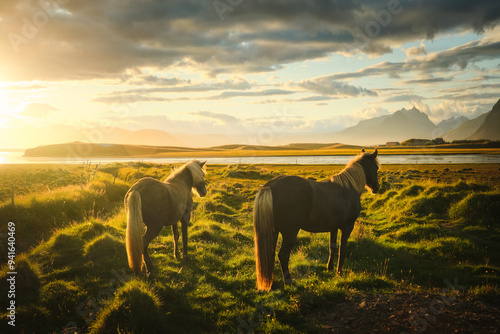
<point x="362" y="150"/>
<point x="203" y="163"/>
<point x="374" y="154"/>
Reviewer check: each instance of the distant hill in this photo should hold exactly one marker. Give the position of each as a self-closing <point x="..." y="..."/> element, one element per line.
<point x="140" y="137"/>
<point x="399" y="126"/>
<point x="80" y="149"/>
<point x="86" y="150"/>
<point x="490" y="128"/>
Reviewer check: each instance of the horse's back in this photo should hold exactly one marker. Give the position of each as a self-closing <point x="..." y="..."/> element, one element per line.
<point x="312" y="206"/>
<point x="154" y="198"/>
<point x="292" y="198"/>
<point x="334" y="207"/>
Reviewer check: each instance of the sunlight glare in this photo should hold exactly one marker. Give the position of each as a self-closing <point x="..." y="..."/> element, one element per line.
<point x="3" y="102"/>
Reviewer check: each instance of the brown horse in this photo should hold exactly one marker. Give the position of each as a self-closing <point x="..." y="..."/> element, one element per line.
<point x="158" y="204"/>
<point x="287" y="204"/>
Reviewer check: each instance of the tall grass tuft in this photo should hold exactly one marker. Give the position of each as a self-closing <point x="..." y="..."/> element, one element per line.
<point x="481" y="209"/>
<point x="134" y="309"/>
<point x="62" y="298"/>
<point x="27" y="280"/>
<point x="45" y="211"/>
<point x="105" y="251"/>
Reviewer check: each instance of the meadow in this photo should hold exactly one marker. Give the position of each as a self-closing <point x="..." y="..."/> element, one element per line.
<point x="424" y="255"/>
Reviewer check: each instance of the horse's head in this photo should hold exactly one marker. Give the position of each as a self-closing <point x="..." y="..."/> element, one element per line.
<point x="199" y="187"/>
<point x="371" y="166"/>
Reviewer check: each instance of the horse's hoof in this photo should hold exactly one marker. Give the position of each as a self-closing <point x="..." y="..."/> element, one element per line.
<point x="177" y="256"/>
<point x="288" y="281"/>
<point x="185" y="258"/>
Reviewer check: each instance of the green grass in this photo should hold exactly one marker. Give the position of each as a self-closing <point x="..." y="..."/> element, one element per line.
<point x="422" y="229"/>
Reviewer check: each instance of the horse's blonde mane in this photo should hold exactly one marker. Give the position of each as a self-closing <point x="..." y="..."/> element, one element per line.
<point x="353" y="175"/>
<point x="197" y="172"/>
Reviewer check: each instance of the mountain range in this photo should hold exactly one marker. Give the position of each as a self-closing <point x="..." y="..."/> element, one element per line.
<point x="401" y="125"/>
<point x="489" y="125"/>
<point x="396" y="127"/>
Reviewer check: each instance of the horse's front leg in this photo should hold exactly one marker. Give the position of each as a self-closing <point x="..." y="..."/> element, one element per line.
<point x="175" y="232"/>
<point x="186" y="217"/>
<point x="333" y="248"/>
<point x="345" y="233"/>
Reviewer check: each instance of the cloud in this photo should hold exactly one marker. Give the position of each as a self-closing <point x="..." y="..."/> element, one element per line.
<point x="38" y="110"/>
<point x="366" y="113"/>
<point x="460" y="56"/>
<point x="470" y="96"/>
<point x="232" y="94"/>
<point x="104" y="39"/>
<point x="404" y="98"/>
<point x="136" y="95"/>
<point x="448" y="109"/>
<point x="427" y="81"/>
<point x="314" y="98"/>
<point x="224" y="118"/>
<point x="485" y="77"/>
<point x="393" y="70"/>
<point x="132" y="99"/>
<point x="327" y="86"/>
<point x="24" y="87"/>
<point x="154" y="80"/>
<point x="416" y="51"/>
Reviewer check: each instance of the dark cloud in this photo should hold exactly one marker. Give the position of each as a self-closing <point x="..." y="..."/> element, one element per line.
<point x="101" y="39"/>
<point x="460" y="57"/>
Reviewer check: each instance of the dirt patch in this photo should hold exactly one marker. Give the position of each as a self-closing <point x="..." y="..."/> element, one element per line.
<point x="409" y="312"/>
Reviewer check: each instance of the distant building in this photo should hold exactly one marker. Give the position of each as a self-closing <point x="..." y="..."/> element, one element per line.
<point x="392" y="143"/>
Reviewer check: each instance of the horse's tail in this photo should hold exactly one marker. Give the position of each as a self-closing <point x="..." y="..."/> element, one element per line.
<point x="134" y="231"/>
<point x="263" y="235"/>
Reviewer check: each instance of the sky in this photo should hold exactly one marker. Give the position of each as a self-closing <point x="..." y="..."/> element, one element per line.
<point x="239" y="67"/>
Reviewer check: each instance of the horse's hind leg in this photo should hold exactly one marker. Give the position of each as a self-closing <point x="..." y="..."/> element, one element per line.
<point x="151" y="232"/>
<point x="284" y="255"/>
<point x="175" y="232"/>
<point x="345" y="233"/>
<point x="333" y="248"/>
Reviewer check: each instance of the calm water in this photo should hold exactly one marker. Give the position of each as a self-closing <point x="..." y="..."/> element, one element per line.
<point x="16" y="157"/>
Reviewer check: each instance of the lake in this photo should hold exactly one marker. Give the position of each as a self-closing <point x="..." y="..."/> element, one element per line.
<point x="14" y="157"/>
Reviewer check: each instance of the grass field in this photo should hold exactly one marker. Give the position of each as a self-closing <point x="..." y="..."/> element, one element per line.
<point x="424" y="255"/>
